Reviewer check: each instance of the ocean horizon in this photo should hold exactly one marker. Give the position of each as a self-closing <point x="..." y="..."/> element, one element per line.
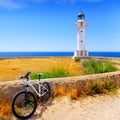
<point x="55" y="54"/>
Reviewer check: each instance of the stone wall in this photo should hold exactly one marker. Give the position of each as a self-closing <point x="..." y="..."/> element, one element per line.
<point x="10" y="88"/>
<point x="71" y="86"/>
<point x="75" y="86"/>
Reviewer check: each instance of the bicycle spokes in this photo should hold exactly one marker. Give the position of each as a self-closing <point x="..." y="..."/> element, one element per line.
<point x="22" y="107"/>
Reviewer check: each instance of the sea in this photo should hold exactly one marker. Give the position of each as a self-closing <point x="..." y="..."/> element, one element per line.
<point x="55" y="54"/>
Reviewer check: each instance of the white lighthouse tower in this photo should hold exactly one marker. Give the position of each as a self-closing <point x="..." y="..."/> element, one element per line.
<point x="81" y="28"/>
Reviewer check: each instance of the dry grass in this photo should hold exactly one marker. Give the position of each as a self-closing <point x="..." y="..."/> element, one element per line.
<point x="64" y="91"/>
<point x="5" y="106"/>
<point x="5" y="109"/>
<point x="11" y="69"/>
<point x="86" y="87"/>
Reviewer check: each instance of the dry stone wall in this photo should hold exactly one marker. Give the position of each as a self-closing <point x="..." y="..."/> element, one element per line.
<point x="9" y="89"/>
<point x="72" y="86"/>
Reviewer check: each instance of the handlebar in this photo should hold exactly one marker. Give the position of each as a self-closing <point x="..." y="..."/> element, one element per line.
<point x="25" y="76"/>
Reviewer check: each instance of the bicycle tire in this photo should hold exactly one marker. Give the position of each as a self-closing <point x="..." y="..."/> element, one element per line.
<point x="47" y="95"/>
<point x="22" y="109"/>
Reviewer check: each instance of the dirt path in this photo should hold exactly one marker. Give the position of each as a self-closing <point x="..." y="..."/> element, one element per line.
<point x="99" y="107"/>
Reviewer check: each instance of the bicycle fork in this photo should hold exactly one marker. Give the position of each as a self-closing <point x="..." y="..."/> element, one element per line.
<point x="26" y="94"/>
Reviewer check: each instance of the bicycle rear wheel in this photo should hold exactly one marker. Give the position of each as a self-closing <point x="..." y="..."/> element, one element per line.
<point x="24" y="105"/>
<point x="45" y="91"/>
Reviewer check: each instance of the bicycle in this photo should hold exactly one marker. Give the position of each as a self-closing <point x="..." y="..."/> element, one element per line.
<point x="24" y="103"/>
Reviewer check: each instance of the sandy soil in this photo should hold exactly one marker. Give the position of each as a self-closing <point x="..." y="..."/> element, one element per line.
<point x="99" y="107"/>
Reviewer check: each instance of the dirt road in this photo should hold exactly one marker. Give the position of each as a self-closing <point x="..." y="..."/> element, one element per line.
<point x="99" y="107"/>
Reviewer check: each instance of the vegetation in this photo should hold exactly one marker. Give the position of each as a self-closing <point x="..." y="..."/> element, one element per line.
<point x="13" y="68"/>
<point x="51" y="68"/>
<point x="86" y="87"/>
<point x="94" y="66"/>
<point x="77" y="59"/>
<point x="91" y="66"/>
<point x="98" y="87"/>
<point x="52" y="74"/>
<point x="5" y="108"/>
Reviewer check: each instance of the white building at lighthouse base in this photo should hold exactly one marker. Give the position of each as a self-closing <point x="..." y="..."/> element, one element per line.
<point x="80" y="53"/>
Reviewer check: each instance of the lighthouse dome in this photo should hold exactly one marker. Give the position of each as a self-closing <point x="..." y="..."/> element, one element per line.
<point x="81" y="16"/>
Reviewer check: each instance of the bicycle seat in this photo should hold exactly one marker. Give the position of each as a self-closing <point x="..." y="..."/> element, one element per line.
<point x="39" y="74"/>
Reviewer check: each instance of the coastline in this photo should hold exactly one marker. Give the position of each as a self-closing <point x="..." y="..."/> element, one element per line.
<point x="35" y="57"/>
<point x="56" y="54"/>
<point x="30" y="57"/>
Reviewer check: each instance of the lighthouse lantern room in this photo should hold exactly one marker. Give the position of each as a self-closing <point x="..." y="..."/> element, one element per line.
<point x="81" y="28"/>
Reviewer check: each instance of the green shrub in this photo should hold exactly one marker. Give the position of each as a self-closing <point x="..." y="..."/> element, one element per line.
<point x="51" y="74"/>
<point x="34" y="76"/>
<point x="110" y="86"/>
<point x="93" y="66"/>
<point x="77" y="59"/>
<point x="109" y="67"/>
<point x="93" y="88"/>
<point x="98" y="87"/>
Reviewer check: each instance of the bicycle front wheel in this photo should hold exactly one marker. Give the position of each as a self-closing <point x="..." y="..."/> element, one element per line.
<point x="24" y="105"/>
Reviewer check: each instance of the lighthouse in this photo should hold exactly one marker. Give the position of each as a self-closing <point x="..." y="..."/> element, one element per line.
<point x="81" y="28"/>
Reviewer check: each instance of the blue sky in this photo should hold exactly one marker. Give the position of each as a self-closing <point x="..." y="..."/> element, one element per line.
<point x="49" y="25"/>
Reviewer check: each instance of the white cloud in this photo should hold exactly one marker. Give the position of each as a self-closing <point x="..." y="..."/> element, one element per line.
<point x="9" y="4"/>
<point x="17" y="4"/>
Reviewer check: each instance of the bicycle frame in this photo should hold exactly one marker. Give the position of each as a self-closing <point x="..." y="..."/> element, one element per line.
<point x="28" y="83"/>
